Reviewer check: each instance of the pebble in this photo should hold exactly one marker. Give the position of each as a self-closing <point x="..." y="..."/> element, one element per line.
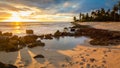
<point x="81" y="63"/>
<point x="92" y="60"/>
<point x="88" y="66"/>
<point x="83" y="60"/>
<point x="104" y="61"/>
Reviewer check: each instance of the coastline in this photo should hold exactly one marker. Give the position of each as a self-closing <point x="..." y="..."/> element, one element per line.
<point x="113" y="26"/>
<point x="82" y="56"/>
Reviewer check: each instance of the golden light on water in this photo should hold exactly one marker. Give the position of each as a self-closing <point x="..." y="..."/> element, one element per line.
<point x="17" y="26"/>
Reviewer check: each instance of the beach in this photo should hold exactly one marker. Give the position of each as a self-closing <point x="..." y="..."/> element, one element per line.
<point x="82" y="55"/>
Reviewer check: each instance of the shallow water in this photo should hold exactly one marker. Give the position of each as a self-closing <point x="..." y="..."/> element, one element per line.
<point x="25" y="56"/>
<point x="64" y="43"/>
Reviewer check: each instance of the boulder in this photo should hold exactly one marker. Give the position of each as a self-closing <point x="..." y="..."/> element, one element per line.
<point x="29" y="39"/>
<point x="29" y="32"/>
<point x="2" y="65"/>
<point x="57" y="33"/>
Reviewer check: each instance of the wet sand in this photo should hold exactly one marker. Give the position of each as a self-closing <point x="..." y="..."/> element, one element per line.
<point x="79" y="57"/>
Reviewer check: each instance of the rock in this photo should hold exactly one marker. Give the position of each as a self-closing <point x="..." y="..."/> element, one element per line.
<point x="57" y="33"/>
<point x="63" y="65"/>
<point x="65" y="29"/>
<point x="76" y="62"/>
<point x="104" y="61"/>
<point x="2" y="65"/>
<point x="48" y="36"/>
<point x="29" y="32"/>
<point x="83" y="60"/>
<point x="92" y="60"/>
<point x="7" y="44"/>
<point x="15" y="37"/>
<point x="81" y="63"/>
<point x="72" y="29"/>
<point x="94" y="50"/>
<point x="87" y="65"/>
<point x="39" y="56"/>
<point x="41" y="36"/>
<point x="7" y="34"/>
<point x="29" y="38"/>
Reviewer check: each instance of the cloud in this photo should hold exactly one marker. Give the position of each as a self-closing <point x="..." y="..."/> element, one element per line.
<point x="4" y="15"/>
<point x="62" y="9"/>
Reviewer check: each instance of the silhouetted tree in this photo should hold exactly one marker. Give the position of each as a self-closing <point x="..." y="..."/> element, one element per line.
<point x="74" y="18"/>
<point x="101" y="14"/>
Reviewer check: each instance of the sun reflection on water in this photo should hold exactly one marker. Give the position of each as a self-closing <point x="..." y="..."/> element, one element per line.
<point x="17" y="27"/>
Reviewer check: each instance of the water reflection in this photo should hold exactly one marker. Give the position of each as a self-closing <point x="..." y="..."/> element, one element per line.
<point x="64" y="43"/>
<point x="17" y="27"/>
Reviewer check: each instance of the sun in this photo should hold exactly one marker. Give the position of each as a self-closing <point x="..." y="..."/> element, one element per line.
<point x="19" y="16"/>
<point x="15" y="17"/>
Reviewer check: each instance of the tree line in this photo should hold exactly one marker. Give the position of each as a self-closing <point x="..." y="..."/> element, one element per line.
<point x="101" y="15"/>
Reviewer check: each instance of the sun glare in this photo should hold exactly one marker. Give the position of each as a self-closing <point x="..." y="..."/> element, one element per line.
<point x="25" y="13"/>
<point x="15" y="17"/>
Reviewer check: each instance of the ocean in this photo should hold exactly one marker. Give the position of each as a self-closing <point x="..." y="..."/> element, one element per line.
<point x="19" y="28"/>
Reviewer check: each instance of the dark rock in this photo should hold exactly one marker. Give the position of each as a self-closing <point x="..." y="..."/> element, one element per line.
<point x="104" y="61"/>
<point x="29" y="38"/>
<point x="63" y="65"/>
<point x="15" y="37"/>
<point x="7" y="34"/>
<point x="81" y="63"/>
<point x="29" y="32"/>
<point x="94" y="50"/>
<point x="48" y="36"/>
<point x="87" y="65"/>
<point x="2" y="65"/>
<point x="72" y="29"/>
<point x="41" y="36"/>
<point x="83" y="60"/>
<point x="39" y="56"/>
<point x="57" y="33"/>
<point x="92" y="60"/>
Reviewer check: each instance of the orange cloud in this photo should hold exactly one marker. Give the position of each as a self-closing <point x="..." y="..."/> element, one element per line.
<point x="4" y="16"/>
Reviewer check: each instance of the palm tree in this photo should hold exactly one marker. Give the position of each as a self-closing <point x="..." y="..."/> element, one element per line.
<point x="80" y="16"/>
<point x="119" y="10"/>
<point x="75" y="19"/>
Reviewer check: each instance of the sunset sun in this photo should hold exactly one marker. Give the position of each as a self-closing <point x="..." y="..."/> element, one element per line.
<point x="15" y="17"/>
<point x="19" y="16"/>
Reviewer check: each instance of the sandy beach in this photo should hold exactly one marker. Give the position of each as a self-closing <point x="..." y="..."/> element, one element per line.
<point x="82" y="56"/>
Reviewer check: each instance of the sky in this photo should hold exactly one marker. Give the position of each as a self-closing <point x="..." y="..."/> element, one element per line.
<point x="48" y="10"/>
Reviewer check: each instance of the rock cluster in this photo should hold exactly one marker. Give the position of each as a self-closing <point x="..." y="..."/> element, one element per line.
<point x="9" y="42"/>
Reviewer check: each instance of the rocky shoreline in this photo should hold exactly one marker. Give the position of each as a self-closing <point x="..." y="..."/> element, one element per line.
<point x="2" y="65"/>
<point x="10" y="42"/>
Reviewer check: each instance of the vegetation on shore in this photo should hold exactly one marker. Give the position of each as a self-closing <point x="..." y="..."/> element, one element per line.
<point x="100" y="15"/>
